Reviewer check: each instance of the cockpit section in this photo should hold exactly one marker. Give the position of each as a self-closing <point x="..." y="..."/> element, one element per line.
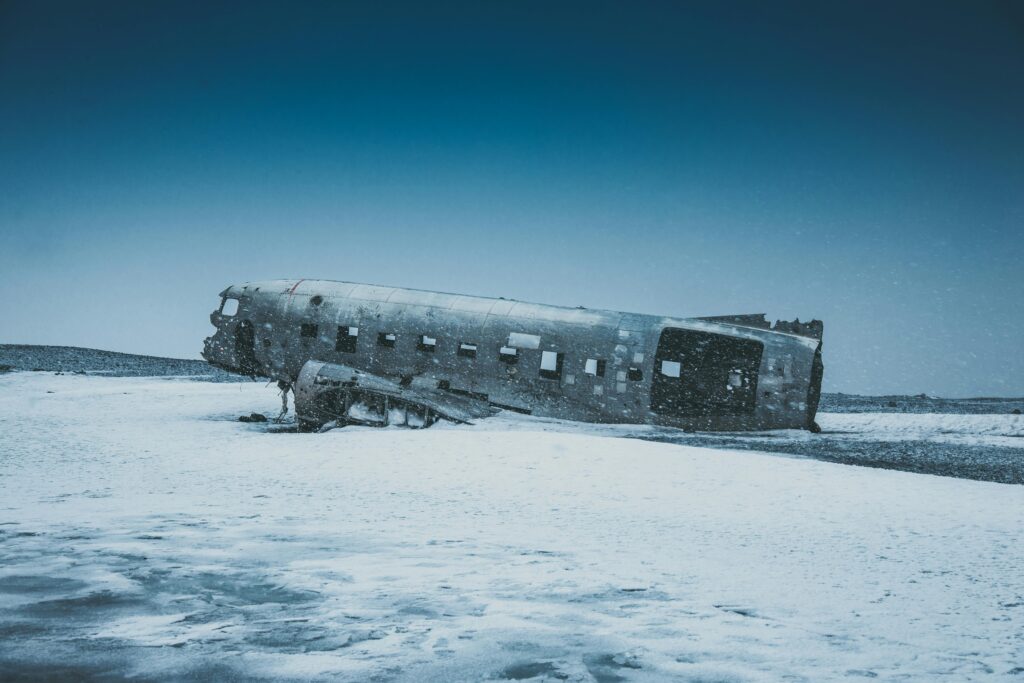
<point x="233" y="346"/>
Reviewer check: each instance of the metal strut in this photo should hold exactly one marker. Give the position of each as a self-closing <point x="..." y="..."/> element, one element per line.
<point x="285" y="387"/>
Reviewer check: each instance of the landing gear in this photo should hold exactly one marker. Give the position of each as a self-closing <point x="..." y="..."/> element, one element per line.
<point x="285" y="387"/>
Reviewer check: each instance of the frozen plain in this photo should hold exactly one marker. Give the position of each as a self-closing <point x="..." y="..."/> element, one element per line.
<point x="145" y="533"/>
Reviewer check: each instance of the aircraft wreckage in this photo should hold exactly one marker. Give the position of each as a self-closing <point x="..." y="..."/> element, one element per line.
<point x="365" y="354"/>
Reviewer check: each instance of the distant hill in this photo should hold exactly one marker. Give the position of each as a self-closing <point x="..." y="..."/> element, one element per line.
<point x="30" y="357"/>
<point x="851" y="403"/>
<point x="94" y="362"/>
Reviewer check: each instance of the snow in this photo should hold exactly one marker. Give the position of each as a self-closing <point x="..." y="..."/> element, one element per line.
<point x="145" y="531"/>
<point x="994" y="430"/>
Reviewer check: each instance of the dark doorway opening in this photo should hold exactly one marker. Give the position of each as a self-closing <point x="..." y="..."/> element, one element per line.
<point x="698" y="374"/>
<point x="245" y="349"/>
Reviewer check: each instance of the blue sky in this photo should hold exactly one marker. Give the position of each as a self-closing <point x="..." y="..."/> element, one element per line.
<point x="860" y="164"/>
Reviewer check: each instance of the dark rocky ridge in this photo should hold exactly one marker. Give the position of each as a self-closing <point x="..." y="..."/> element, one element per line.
<point x="852" y="403"/>
<point x="28" y="357"/>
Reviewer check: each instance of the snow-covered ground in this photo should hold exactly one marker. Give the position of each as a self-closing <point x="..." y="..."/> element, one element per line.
<point x="145" y="532"/>
<point x="988" y="430"/>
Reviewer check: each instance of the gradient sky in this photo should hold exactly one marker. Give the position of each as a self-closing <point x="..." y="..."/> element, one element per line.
<point x="861" y="163"/>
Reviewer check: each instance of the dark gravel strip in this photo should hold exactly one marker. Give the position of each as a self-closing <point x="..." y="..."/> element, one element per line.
<point x="984" y="463"/>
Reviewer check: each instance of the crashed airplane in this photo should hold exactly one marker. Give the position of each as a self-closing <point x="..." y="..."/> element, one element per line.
<point x="364" y="354"/>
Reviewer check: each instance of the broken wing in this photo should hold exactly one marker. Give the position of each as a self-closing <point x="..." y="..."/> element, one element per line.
<point x="332" y="392"/>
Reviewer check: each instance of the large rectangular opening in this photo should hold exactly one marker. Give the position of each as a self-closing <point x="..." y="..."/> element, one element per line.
<point x="701" y="374"/>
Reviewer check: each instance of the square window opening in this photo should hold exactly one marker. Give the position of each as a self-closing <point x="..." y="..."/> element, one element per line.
<point x="347" y="338"/>
<point x="308" y="330"/>
<point x="671" y="368"/>
<point x="386" y="339"/>
<point x="467" y="350"/>
<point x="594" y="367"/>
<point x="508" y="354"/>
<point x="635" y="374"/>
<point x="551" y="364"/>
<point x="427" y="343"/>
<point x="229" y="307"/>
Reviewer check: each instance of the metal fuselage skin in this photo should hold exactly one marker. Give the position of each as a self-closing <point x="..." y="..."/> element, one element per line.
<point x="600" y="366"/>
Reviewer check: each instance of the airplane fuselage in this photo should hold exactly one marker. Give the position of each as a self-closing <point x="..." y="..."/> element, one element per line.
<point x="570" y="363"/>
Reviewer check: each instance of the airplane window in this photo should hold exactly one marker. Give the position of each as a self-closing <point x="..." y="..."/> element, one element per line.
<point x="347" y="338"/>
<point x="524" y="341"/>
<point x="467" y="350"/>
<point x="229" y="307"/>
<point x="428" y="344"/>
<point x="386" y="339"/>
<point x="671" y="368"/>
<point x="551" y="364"/>
<point x="636" y="374"/>
<point x="594" y="367"/>
<point x="508" y="354"/>
<point x="309" y="330"/>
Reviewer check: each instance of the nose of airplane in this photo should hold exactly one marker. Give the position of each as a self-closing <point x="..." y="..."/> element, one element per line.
<point x="233" y="346"/>
<point x="216" y="350"/>
<point x="207" y="352"/>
